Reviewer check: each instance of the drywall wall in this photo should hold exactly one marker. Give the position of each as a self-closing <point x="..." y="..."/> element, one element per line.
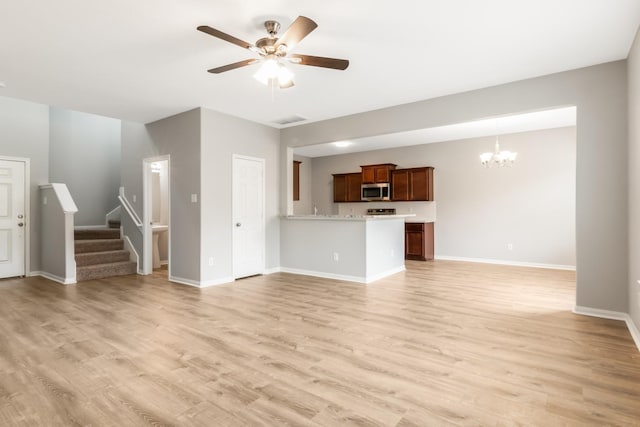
<point x="222" y="137"/>
<point x="481" y="211"/>
<point x="304" y="206"/>
<point x="600" y="94"/>
<point x="24" y="132"/>
<point x="179" y="137"/>
<point x="634" y="181"/>
<point x="85" y="155"/>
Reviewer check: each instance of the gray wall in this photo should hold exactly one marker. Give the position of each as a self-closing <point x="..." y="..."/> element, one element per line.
<point x="304" y="206"/>
<point x="634" y="181"/>
<point x="480" y="211"/>
<point x="85" y="155"/>
<point x="600" y="94"/>
<point x="223" y="136"/>
<point x="24" y="132"/>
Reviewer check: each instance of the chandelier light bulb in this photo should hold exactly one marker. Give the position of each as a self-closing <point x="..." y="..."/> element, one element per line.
<point x="498" y="158"/>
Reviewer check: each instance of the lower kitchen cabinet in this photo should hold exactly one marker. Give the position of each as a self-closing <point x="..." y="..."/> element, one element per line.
<point x="418" y="241"/>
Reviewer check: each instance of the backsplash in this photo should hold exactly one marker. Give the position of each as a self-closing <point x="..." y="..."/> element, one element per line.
<point x="424" y="211"/>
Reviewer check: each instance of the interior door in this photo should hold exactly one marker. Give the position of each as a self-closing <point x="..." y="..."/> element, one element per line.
<point x="248" y="216"/>
<point x="12" y="218"/>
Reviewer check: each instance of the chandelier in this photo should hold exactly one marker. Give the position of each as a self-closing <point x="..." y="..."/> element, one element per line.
<point x="497" y="158"/>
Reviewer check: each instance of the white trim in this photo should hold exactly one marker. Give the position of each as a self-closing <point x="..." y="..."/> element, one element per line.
<point x="505" y="262"/>
<point x="133" y="254"/>
<point x="53" y="277"/>
<point x="196" y="284"/>
<point x="27" y="208"/>
<point x="147" y="233"/>
<point x="357" y="279"/>
<point x="272" y="270"/>
<point x="613" y="315"/>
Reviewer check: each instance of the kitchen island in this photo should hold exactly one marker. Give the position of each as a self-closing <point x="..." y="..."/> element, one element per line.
<point x="360" y="248"/>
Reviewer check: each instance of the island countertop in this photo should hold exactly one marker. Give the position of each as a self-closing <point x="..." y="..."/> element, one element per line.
<point x="347" y="217"/>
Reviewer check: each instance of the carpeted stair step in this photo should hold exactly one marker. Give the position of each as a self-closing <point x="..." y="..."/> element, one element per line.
<point x="98" y="245"/>
<point x="92" y="258"/>
<point x="97" y="233"/>
<point x="114" y="223"/>
<point x="99" y="271"/>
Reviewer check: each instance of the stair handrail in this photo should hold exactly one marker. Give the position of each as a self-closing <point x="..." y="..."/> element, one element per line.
<point x="129" y="209"/>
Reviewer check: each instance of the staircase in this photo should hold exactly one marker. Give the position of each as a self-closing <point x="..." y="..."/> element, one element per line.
<point x="100" y="253"/>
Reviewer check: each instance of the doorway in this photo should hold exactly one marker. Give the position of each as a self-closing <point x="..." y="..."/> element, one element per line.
<point x="248" y="207"/>
<point x="14" y="206"/>
<point x="156" y="214"/>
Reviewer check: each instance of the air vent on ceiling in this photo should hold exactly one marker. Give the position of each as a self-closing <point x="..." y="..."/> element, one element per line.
<point x="290" y="119"/>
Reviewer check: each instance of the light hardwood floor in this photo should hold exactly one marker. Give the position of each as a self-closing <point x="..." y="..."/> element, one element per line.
<point x="444" y="343"/>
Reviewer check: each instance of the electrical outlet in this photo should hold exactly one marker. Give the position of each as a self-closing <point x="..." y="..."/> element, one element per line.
<point x="393" y="253"/>
<point x="194" y="198"/>
<point x="134" y="198"/>
<point x="44" y="200"/>
<point x="336" y="256"/>
<point x="510" y="246"/>
<point x="210" y="261"/>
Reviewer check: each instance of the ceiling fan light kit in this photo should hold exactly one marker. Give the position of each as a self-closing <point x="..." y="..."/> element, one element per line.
<point x="274" y="52"/>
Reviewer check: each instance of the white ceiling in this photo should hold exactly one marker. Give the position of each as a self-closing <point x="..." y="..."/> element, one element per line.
<point x="538" y="120"/>
<point x="144" y="60"/>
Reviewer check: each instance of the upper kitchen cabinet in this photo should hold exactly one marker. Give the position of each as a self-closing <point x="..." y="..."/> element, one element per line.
<point x="346" y="187"/>
<point x="414" y="184"/>
<point x="374" y="174"/>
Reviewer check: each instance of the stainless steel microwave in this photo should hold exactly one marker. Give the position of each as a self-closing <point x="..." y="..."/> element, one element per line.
<point x="374" y="192"/>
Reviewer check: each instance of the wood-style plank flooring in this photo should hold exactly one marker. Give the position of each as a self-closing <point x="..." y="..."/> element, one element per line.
<point x="444" y="343"/>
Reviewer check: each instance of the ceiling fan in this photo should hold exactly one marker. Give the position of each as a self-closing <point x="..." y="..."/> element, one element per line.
<point x="275" y="51"/>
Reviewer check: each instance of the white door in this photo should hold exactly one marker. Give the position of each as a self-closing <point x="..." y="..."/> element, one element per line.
<point x="12" y="218"/>
<point x="248" y="216"/>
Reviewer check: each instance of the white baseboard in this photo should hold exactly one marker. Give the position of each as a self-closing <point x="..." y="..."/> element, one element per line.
<point x="53" y="277"/>
<point x="613" y="315"/>
<point x="357" y="279"/>
<point x="133" y="254"/>
<point x="272" y="270"/>
<point x="505" y="262"/>
<point x="198" y="284"/>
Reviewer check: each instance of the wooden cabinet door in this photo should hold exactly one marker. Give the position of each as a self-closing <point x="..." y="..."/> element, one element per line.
<point x="354" y="184"/>
<point x="418" y="182"/>
<point x="400" y="184"/>
<point x="339" y="188"/>
<point x="368" y="175"/>
<point x="296" y="180"/>
<point x="414" y="184"/>
<point x="414" y="241"/>
<point x="418" y="241"/>
<point x="382" y="173"/>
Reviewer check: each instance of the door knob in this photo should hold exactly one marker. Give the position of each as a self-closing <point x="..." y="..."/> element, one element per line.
<point x="238" y="224"/>
<point x="20" y="224"/>
<point x="20" y="216"/>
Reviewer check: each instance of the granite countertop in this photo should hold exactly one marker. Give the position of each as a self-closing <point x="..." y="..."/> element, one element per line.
<point x="348" y="217"/>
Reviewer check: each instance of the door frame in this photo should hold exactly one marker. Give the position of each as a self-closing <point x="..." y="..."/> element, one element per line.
<point x="233" y="210"/>
<point x="27" y="209"/>
<point x="147" y="235"/>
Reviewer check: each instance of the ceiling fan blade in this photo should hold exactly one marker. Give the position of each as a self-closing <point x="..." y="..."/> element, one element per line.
<point x="233" y="66"/>
<point x="320" y="61"/>
<point x="299" y="29"/>
<point x="224" y="36"/>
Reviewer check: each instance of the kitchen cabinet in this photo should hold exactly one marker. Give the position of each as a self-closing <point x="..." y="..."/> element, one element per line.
<point x="418" y="241"/>
<point x="415" y="184"/>
<point x="374" y="174"/>
<point x="346" y="187"/>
